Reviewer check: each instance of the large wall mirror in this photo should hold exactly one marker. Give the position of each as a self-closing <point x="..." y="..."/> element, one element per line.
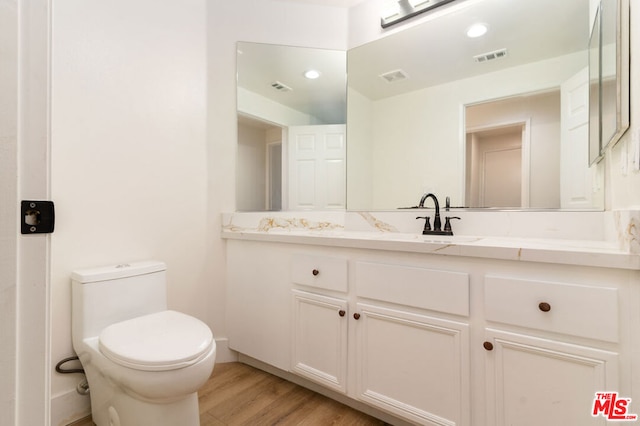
<point x="291" y="128"/>
<point x="495" y="121"/>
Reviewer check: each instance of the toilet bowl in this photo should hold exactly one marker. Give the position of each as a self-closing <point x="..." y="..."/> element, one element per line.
<point x="144" y="363"/>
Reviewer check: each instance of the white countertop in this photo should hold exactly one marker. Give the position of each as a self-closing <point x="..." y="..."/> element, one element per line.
<point x="569" y="252"/>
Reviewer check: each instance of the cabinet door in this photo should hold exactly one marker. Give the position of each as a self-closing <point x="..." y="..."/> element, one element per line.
<point x="412" y="365"/>
<point x="320" y="339"/>
<point x="532" y="382"/>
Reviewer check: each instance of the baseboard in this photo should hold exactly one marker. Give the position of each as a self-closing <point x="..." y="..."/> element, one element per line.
<point x="223" y="352"/>
<point x="69" y="407"/>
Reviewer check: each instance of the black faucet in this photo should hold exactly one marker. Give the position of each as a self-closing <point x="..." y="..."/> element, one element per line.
<point x="437" y="224"/>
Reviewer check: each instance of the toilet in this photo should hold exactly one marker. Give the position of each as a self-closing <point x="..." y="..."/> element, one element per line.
<point x="144" y="363"/>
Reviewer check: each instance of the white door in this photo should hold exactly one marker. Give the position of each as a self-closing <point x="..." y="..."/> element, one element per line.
<point x="320" y="339"/>
<point x="317" y="167"/>
<point x="502" y="178"/>
<point x="575" y="175"/>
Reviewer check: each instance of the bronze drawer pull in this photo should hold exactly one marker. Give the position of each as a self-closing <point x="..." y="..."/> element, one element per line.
<point x="356" y="316"/>
<point x="488" y="346"/>
<point x="544" y="307"/>
<point x="315" y="272"/>
<point x="341" y="312"/>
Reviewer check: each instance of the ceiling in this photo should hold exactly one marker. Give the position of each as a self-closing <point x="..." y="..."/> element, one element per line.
<point x="431" y="53"/>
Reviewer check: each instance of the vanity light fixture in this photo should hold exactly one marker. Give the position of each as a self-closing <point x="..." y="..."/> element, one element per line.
<point x="312" y="74"/>
<point x="394" y="11"/>
<point x="477" y="30"/>
<point x="390" y="10"/>
<point x="417" y="3"/>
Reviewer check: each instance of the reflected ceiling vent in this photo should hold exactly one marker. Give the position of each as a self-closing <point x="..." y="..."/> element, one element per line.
<point x="490" y="56"/>
<point x="395" y="75"/>
<point x="281" y="87"/>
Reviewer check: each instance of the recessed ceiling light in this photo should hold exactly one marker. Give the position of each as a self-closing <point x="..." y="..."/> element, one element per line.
<point x="312" y="74"/>
<point x="477" y="30"/>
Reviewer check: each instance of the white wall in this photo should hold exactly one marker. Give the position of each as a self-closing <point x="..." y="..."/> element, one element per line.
<point x="144" y="140"/>
<point x="129" y="149"/>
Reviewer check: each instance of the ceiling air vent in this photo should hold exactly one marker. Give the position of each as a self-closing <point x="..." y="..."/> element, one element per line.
<point x="489" y="56"/>
<point x="393" y="76"/>
<point x="281" y="86"/>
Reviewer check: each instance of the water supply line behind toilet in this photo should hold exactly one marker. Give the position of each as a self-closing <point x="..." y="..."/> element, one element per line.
<point x="83" y="386"/>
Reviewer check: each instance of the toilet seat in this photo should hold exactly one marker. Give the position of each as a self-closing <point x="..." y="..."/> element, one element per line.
<point x="161" y="341"/>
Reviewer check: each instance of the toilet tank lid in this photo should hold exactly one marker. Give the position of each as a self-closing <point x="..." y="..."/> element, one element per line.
<point x="112" y="272"/>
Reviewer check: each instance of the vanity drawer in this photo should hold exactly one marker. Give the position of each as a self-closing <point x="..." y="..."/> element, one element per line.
<point x="436" y="290"/>
<point x="576" y="310"/>
<point x="329" y="273"/>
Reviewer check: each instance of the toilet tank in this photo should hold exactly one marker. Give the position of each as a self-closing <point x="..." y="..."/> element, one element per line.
<point x="107" y="295"/>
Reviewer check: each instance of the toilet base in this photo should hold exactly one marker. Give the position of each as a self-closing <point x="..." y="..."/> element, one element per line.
<point x="127" y="411"/>
<point x="112" y="405"/>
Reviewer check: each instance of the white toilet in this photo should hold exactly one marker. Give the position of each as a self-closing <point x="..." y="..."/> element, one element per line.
<point x="144" y="363"/>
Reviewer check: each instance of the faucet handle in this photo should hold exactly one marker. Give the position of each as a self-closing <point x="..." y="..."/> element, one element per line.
<point x="427" y="224"/>
<point x="447" y="222"/>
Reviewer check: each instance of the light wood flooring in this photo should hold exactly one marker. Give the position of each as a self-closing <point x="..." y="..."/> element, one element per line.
<point x="237" y="394"/>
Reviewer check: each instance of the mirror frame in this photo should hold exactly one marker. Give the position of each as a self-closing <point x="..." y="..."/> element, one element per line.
<point x="620" y="108"/>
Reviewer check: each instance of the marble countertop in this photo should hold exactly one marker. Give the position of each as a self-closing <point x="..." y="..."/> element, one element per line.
<point x="594" y="253"/>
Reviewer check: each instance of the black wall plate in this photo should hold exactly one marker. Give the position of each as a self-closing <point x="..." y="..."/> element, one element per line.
<point x="38" y="217"/>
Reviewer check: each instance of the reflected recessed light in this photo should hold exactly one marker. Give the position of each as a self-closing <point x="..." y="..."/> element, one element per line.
<point x="312" y="74"/>
<point x="477" y="30"/>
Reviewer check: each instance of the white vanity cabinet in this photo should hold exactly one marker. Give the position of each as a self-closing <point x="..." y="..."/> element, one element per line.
<point x="404" y="358"/>
<point x="439" y="340"/>
<point x="536" y="380"/>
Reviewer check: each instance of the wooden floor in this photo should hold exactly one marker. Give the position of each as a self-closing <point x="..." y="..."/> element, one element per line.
<point x="237" y="394"/>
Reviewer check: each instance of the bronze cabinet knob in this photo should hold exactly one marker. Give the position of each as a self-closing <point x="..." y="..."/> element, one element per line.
<point x="341" y="312"/>
<point x="544" y="307"/>
<point x="356" y="316"/>
<point x="488" y="346"/>
<point x="315" y="272"/>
